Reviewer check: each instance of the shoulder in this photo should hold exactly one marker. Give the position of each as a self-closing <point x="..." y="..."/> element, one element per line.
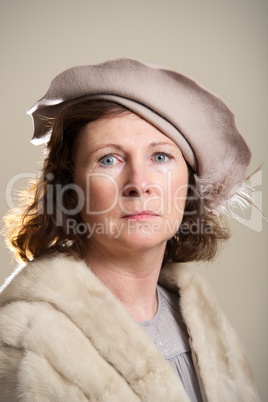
<point x="200" y="309"/>
<point x="36" y="294"/>
<point x="38" y="335"/>
<point x="197" y="298"/>
<point x="41" y="269"/>
<point x="43" y="288"/>
<point x="42" y="278"/>
<point x="186" y="280"/>
<point x="215" y="345"/>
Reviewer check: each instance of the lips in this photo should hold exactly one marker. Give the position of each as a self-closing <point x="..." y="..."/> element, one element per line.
<point x="140" y="215"/>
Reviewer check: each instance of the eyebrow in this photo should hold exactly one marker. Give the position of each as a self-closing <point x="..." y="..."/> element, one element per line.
<point x="120" y="148"/>
<point x="155" y="144"/>
<point x="116" y="146"/>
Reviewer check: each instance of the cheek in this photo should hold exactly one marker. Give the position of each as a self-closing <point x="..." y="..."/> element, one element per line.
<point x="175" y="204"/>
<point x="178" y="191"/>
<point x="100" y="193"/>
<point x="179" y="196"/>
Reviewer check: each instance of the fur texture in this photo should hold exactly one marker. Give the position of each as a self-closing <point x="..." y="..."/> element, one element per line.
<point x="65" y="337"/>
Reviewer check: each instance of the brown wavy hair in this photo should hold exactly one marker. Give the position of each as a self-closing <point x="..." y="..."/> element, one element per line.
<point x="36" y="227"/>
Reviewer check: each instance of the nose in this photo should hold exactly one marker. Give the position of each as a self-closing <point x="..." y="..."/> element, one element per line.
<point x="137" y="181"/>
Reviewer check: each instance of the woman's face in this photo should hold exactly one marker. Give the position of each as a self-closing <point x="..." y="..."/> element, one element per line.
<point x="134" y="181"/>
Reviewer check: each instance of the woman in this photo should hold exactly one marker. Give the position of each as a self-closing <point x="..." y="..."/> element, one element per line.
<point x="135" y="182"/>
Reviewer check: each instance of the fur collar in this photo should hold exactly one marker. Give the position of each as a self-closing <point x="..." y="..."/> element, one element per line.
<point x="61" y="314"/>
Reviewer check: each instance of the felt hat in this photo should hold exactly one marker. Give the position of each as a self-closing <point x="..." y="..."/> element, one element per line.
<point x="199" y="122"/>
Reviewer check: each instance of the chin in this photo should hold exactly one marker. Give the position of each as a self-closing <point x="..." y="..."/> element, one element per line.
<point x="142" y="242"/>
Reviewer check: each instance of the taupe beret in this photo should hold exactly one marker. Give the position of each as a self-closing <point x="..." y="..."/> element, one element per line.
<point x="199" y="122"/>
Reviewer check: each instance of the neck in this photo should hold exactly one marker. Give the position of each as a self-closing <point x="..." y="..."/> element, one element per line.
<point x="132" y="280"/>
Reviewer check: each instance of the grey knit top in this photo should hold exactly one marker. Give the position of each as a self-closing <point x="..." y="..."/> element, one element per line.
<point x="169" y="333"/>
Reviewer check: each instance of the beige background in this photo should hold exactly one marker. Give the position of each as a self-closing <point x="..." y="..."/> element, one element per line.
<point x="221" y="44"/>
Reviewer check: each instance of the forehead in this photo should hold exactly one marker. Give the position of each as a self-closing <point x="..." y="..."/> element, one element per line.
<point x="126" y="128"/>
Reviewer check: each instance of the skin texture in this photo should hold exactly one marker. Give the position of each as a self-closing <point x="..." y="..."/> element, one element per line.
<point x="134" y="181"/>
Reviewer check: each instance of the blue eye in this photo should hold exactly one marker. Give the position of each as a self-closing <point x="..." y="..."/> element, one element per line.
<point x="160" y="157"/>
<point x="107" y="160"/>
